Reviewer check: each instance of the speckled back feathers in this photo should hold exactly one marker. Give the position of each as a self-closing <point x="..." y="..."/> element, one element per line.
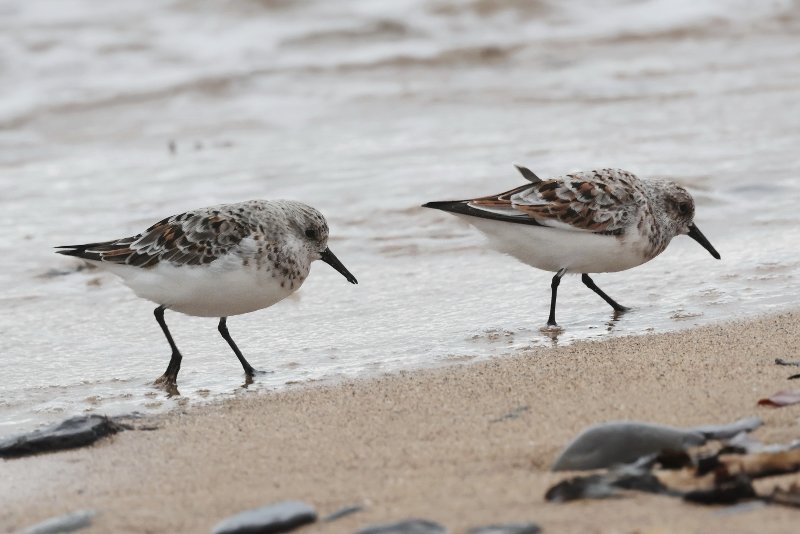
<point x="201" y="236"/>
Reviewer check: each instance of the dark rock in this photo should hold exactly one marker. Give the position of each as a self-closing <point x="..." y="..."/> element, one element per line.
<point x="748" y="424"/>
<point x="409" y="526"/>
<point x="74" y="432"/>
<point x="63" y="523"/>
<point x="622" y="442"/>
<point x="342" y="512"/>
<point x="728" y="492"/>
<point x="602" y="486"/>
<point x="279" y="517"/>
<point x="508" y="528"/>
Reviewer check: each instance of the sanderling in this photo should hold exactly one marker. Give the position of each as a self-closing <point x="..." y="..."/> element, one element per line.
<point x="588" y="222"/>
<point x="218" y="261"/>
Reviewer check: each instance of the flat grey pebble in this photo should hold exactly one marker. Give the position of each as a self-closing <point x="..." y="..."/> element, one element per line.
<point x="409" y="526"/>
<point x="622" y="442"/>
<point x="279" y="517"/>
<point x="63" y="523"/>
<point x="74" y="432"/>
<point x="508" y="528"/>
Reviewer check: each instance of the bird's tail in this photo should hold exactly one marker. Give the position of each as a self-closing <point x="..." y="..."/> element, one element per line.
<point x="96" y="251"/>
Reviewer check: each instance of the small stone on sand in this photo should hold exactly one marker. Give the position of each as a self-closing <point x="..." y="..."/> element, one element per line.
<point x="279" y="517"/>
<point x="63" y="523"/>
<point x="74" y="432"/>
<point x="622" y="442"/>
<point x="409" y="526"/>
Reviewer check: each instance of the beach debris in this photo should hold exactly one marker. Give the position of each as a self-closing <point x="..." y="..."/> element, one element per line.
<point x="605" y="485"/>
<point x="786" y="497"/>
<point x="781" y="361"/>
<point x="728" y="491"/>
<point x="63" y="523"/>
<point x="508" y="528"/>
<point x="622" y="442"/>
<point x="408" y="526"/>
<point x="77" y="431"/>
<point x="786" y="397"/>
<point x="720" y="432"/>
<point x="701" y="476"/>
<point x="342" y="512"/>
<point x="746" y="444"/>
<point x="278" y="517"/>
<point x="763" y="464"/>
<point x="513" y="414"/>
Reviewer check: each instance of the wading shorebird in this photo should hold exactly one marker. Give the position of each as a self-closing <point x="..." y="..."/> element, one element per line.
<point x="218" y="261"/>
<point x="599" y="221"/>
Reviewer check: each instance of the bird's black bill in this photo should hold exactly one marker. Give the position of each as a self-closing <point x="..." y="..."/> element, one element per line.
<point x="328" y="257"/>
<point x="698" y="236"/>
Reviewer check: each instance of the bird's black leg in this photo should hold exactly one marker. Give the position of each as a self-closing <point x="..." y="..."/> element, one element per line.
<point x="551" y="321"/>
<point x="591" y="285"/>
<point x="223" y="329"/>
<point x="170" y="376"/>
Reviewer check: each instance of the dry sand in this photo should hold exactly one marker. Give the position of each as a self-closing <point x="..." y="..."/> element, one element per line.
<point x="436" y="444"/>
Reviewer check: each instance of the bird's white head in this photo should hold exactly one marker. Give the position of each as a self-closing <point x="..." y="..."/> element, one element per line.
<point x="675" y="208"/>
<point x="309" y="228"/>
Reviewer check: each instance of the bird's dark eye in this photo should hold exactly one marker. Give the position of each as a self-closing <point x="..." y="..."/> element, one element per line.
<point x="311" y="233"/>
<point x="684" y="208"/>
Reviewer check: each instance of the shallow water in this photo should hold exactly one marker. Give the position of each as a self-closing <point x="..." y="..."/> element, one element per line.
<point x="366" y="110"/>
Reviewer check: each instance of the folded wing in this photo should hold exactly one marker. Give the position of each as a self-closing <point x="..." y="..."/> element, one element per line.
<point x="191" y="238"/>
<point x="601" y="201"/>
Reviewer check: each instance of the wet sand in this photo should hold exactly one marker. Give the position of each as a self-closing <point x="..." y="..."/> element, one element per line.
<point x="464" y="445"/>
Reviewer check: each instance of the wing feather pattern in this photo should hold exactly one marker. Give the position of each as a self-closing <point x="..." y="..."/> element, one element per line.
<point x="601" y="201"/>
<point x="191" y="238"/>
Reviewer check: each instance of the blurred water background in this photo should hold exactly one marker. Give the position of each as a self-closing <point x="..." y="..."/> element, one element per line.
<point x="116" y="114"/>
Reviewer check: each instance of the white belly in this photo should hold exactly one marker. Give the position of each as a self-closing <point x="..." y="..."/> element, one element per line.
<point x="552" y="249"/>
<point x="205" y="291"/>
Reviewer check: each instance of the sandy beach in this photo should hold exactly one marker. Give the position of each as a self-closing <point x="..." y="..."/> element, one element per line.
<point x="464" y="445"/>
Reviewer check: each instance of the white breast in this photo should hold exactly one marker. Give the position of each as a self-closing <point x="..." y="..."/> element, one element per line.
<point x="552" y="249"/>
<point x="220" y="289"/>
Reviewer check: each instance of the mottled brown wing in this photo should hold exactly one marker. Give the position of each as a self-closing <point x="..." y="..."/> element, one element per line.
<point x="601" y="201"/>
<point x="191" y="238"/>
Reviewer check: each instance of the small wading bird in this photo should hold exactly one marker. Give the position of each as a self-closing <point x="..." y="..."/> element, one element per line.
<point x="217" y="262"/>
<point x="588" y="222"/>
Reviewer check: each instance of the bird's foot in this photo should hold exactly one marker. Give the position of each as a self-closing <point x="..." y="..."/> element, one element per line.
<point x="166" y="379"/>
<point x="550" y="327"/>
<point x="250" y="374"/>
<point x="168" y="383"/>
<point x="552" y="331"/>
<point x="551" y="323"/>
<point x="257" y="372"/>
<point x="619" y="311"/>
